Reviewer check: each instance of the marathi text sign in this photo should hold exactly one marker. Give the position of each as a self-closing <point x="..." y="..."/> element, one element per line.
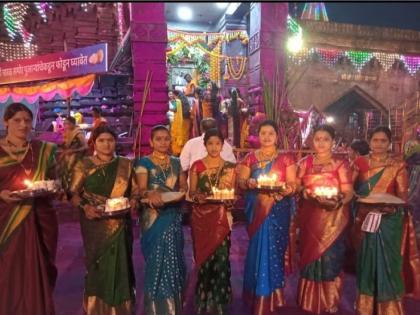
<point x="80" y="61"/>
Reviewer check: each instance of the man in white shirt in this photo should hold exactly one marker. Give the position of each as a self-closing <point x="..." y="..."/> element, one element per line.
<point x="195" y="150"/>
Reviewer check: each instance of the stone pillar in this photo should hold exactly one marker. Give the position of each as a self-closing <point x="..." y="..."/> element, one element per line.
<point x="148" y="46"/>
<point x="268" y="31"/>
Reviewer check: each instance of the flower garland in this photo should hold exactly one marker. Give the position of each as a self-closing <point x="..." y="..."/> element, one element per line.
<point x="236" y="74"/>
<point x="210" y="39"/>
<point x="215" y="63"/>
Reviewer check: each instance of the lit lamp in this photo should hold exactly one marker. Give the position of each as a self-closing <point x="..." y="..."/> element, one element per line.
<point x="268" y="181"/>
<point x="326" y="191"/>
<point x="223" y="193"/>
<point x="28" y="183"/>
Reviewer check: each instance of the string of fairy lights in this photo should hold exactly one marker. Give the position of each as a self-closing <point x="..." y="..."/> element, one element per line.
<point x="14" y="15"/>
<point x="358" y="59"/>
<point x="14" y="51"/>
<point x="298" y="54"/>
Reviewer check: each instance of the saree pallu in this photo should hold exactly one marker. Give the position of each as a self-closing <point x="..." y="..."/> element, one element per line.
<point x="388" y="265"/>
<point x="195" y="119"/>
<point x="268" y="229"/>
<point x="322" y="241"/>
<point x="28" y="237"/>
<point x="109" y="282"/>
<point x="180" y="130"/>
<point x="211" y="229"/>
<point x="412" y="158"/>
<point x="162" y="244"/>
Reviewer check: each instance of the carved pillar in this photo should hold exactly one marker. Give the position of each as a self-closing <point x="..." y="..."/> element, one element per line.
<point x="268" y="31"/>
<point x="148" y="45"/>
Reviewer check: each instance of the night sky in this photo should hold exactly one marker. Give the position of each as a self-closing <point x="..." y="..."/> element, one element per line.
<point x="399" y="15"/>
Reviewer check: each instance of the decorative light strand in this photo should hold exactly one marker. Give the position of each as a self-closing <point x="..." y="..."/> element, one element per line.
<point x="314" y="11"/>
<point x="357" y="58"/>
<point x="14" y="15"/>
<point x="42" y="8"/>
<point x="11" y="51"/>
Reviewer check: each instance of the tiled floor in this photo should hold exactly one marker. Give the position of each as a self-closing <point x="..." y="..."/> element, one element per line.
<point x="68" y="293"/>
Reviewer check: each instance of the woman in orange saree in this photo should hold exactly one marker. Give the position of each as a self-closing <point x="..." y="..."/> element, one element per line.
<point x="28" y="227"/>
<point x="388" y="263"/>
<point x="322" y="224"/>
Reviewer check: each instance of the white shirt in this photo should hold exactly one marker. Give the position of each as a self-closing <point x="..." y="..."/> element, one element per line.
<point x="195" y="150"/>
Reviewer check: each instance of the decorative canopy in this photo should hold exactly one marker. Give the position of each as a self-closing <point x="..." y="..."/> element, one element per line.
<point x="65" y="88"/>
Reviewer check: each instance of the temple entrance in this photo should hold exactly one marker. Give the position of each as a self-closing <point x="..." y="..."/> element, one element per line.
<point x="355" y="113"/>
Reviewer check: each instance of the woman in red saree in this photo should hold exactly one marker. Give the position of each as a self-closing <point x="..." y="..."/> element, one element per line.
<point x="322" y="225"/>
<point x="211" y="227"/>
<point x="28" y="228"/>
<point x="388" y="265"/>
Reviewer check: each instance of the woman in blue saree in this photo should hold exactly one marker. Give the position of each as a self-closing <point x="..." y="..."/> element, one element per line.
<point x="162" y="240"/>
<point x="268" y="217"/>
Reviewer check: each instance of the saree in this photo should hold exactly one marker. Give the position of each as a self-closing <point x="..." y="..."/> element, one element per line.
<point x="322" y="241"/>
<point x="109" y="281"/>
<point x="28" y="236"/>
<point x="180" y="130"/>
<point x="67" y="162"/>
<point x="268" y="229"/>
<point x="211" y="229"/>
<point x="195" y="118"/>
<point x="412" y="158"/>
<point x="162" y="243"/>
<point x="388" y="264"/>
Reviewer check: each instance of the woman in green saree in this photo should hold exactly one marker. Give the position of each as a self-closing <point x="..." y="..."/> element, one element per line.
<point x="388" y="264"/>
<point x="211" y="227"/>
<point x="109" y="282"/>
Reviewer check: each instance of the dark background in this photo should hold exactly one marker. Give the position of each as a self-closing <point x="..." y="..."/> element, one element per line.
<point x="404" y="15"/>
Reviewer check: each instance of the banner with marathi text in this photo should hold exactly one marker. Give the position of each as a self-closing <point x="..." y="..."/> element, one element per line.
<point x="76" y="62"/>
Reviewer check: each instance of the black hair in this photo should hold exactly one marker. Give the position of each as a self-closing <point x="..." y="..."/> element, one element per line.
<point x="71" y="119"/>
<point x="360" y="146"/>
<point x="199" y="91"/>
<point x="233" y="110"/>
<point x="103" y="129"/>
<point x="383" y="129"/>
<point x="97" y="110"/>
<point x="269" y="122"/>
<point x="215" y="101"/>
<point x="185" y="105"/>
<point x="208" y="123"/>
<point x="14" y="108"/>
<point x="156" y="129"/>
<point x="213" y="132"/>
<point x="327" y="128"/>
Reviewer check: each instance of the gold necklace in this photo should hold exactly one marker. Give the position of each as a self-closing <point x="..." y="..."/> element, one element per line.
<point x="20" y="161"/>
<point x="323" y="160"/>
<point x="159" y="156"/>
<point x="103" y="161"/>
<point x="381" y="159"/>
<point x="267" y="157"/>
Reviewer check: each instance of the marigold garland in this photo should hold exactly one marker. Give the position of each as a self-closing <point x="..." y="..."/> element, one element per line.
<point x="236" y="74"/>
